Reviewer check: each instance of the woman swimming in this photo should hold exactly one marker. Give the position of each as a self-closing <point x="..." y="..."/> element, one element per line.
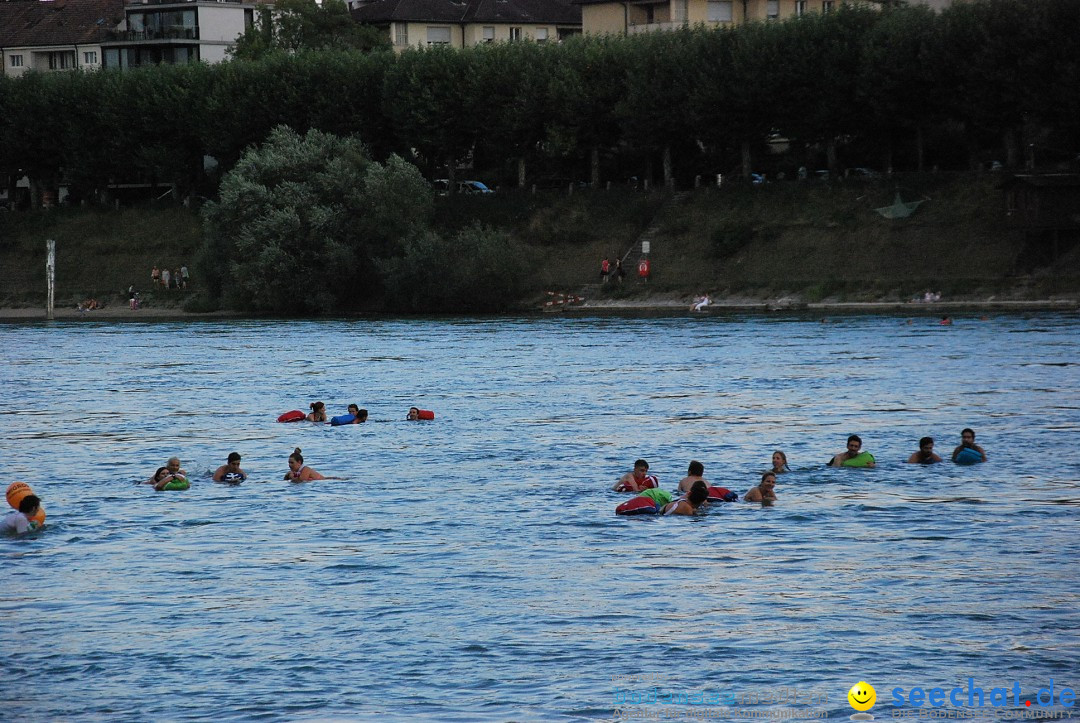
<point x="779" y="462"/>
<point x="299" y="472"/>
<point x="318" y="412"/>
<point x="765" y="492"/>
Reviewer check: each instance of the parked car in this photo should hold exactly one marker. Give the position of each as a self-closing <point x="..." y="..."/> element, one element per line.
<point x="442" y="186"/>
<point x="863" y="173"/>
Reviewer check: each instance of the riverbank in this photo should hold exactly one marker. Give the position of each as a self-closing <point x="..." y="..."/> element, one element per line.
<point x="658" y="305"/>
<point x="791" y="245"/>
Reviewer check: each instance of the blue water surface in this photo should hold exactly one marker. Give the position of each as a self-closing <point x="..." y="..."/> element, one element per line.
<point x="472" y="568"/>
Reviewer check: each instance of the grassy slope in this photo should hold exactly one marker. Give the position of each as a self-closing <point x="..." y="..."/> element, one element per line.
<point x="98" y="253"/>
<point x="811" y="240"/>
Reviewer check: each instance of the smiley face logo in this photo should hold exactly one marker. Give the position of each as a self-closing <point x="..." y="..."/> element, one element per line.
<point x="862" y="696"/>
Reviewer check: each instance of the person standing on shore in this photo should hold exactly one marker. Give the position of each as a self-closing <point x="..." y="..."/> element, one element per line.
<point x="165" y="278"/>
<point x="605" y="270"/>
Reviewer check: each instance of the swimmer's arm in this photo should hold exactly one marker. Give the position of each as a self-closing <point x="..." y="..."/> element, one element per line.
<point x="914" y="459"/>
<point x="219" y="473"/>
<point x="935" y="457"/>
<point x="981" y="451"/>
<point x="871" y="463"/>
<point x="956" y="452"/>
<point x="753" y="495"/>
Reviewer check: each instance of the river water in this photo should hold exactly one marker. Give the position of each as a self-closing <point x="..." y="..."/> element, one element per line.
<point x="472" y="568"/>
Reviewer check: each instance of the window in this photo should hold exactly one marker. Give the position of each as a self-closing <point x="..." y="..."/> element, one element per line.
<point x="489" y="34"/>
<point x="720" y="11"/>
<point x="515" y="33"/>
<point x="827" y="6"/>
<point x="541" y="35"/>
<point x="401" y="34"/>
<point x="772" y="9"/>
<point x="16" y="61"/>
<point x="89" y="58"/>
<point x="62" y="60"/>
<point x="800" y="7"/>
<point x="438" y="36"/>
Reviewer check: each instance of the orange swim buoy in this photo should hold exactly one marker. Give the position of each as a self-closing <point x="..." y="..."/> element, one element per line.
<point x="425" y="414"/>
<point x="15" y="493"/>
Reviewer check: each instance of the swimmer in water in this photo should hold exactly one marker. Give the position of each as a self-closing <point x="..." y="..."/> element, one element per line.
<point x="765" y="492"/>
<point x="21" y="521"/>
<point x="779" y="462"/>
<point x="967" y="439"/>
<point x="413" y="415"/>
<point x="854" y="444"/>
<point x="693" y="474"/>
<point x="359" y="415"/>
<point x="299" y="472"/>
<point x="318" y="412"/>
<point x="689" y="505"/>
<point x="230" y="471"/>
<point x="638" y="480"/>
<point x="163" y="477"/>
<point x="173" y="466"/>
<point x="926" y="454"/>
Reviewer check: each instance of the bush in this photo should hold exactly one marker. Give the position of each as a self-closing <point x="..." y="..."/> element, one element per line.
<point x="302" y="220"/>
<point x="479" y="270"/>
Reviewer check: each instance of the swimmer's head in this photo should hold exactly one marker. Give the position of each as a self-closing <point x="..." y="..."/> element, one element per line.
<point x="414" y="413"/>
<point x="234" y="457"/>
<point x="29" y="505"/>
<point x="317" y="407"/>
<point x="696" y="469"/>
<point x="768" y="481"/>
<point x="161" y="473"/>
<point x="173" y="465"/>
<point x="699" y="492"/>
<point x="967" y="434"/>
<point x="361" y="414"/>
<point x="854" y="443"/>
<point x="926" y="444"/>
<point x="641" y="465"/>
<point x="779" y="459"/>
<point x="296" y="457"/>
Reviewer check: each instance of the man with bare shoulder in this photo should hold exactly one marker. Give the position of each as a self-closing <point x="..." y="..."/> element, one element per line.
<point x="638" y="480"/>
<point x="693" y="474"/>
<point x="967" y="441"/>
<point x="854" y="444"/>
<point x="926" y="454"/>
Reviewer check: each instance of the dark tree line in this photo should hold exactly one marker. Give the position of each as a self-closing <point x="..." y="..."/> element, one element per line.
<point x="997" y="78"/>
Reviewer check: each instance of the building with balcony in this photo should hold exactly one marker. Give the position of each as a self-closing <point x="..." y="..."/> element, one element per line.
<point x="413" y="23"/>
<point x="628" y="17"/>
<point x="57" y="35"/>
<point x="176" y="32"/>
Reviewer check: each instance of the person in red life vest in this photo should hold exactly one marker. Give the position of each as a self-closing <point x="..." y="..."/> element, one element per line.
<point x="605" y="269"/>
<point x="638" y="480"/>
<point x="644" y="269"/>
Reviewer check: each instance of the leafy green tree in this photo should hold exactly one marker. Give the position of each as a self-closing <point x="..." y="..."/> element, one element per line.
<point x="899" y="81"/>
<point x="480" y="270"/>
<point x="822" y="62"/>
<point x="301" y="221"/>
<point x="587" y="80"/>
<point x="295" y="25"/>
<point x="653" y="113"/>
<point x="430" y="97"/>
<point x="510" y="81"/>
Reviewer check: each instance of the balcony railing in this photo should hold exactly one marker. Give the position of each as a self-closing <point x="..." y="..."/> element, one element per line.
<point x="129" y="3"/>
<point x="180" y="32"/>
<point x="653" y="27"/>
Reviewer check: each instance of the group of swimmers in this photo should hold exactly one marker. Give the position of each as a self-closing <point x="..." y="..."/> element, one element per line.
<point x="353" y="415"/>
<point x="694" y="489"/>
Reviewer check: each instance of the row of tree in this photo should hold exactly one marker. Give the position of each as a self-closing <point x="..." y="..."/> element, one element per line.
<point x="1001" y="74"/>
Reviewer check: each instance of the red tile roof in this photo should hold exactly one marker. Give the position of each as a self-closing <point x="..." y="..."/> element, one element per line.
<point x="57" y="22"/>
